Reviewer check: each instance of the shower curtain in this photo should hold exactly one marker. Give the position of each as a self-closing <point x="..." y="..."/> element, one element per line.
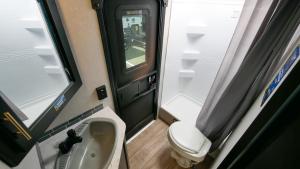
<point x="225" y="106"/>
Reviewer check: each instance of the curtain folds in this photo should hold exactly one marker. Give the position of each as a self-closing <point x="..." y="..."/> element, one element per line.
<point x="223" y="110"/>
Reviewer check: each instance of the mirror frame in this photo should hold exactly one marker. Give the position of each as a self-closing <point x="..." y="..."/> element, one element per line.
<point x="54" y="23"/>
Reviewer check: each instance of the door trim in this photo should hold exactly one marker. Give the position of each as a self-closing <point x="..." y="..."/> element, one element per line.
<point x="97" y="5"/>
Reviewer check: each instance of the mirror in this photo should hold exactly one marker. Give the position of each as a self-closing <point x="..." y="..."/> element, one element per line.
<point x="32" y="75"/>
<point x="38" y="74"/>
<point x="133" y="23"/>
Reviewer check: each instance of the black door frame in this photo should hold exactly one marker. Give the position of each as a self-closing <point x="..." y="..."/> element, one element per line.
<point x="98" y="6"/>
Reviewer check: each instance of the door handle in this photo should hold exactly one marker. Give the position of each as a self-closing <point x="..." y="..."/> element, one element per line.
<point x="144" y="93"/>
<point x="20" y="130"/>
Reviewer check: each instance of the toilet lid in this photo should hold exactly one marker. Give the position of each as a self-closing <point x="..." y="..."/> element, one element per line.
<point x="186" y="136"/>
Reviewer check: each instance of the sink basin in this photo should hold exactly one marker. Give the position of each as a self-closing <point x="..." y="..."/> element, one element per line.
<point x="96" y="149"/>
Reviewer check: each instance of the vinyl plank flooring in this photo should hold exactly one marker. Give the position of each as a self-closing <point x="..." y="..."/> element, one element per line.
<point x="151" y="150"/>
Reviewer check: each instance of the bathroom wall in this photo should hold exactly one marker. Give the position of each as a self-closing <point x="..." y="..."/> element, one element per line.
<point x="81" y="24"/>
<point x="200" y="32"/>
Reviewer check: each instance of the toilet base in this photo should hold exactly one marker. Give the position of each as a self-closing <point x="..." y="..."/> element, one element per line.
<point x="182" y="161"/>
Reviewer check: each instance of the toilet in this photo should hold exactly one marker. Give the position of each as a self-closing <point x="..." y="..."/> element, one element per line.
<point x="188" y="145"/>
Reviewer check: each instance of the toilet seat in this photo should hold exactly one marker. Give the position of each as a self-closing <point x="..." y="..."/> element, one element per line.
<point x="186" y="136"/>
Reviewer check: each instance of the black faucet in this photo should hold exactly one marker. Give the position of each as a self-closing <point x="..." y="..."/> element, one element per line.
<point x="72" y="139"/>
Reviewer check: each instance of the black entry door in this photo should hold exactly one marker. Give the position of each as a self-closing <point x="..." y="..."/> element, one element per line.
<point x="131" y="31"/>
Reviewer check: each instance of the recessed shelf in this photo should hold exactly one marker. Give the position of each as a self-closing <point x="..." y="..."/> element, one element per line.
<point x="195" y="31"/>
<point x="53" y="69"/>
<point x="44" y="50"/>
<point x="187" y="73"/>
<point x="32" y="24"/>
<point x="191" y="55"/>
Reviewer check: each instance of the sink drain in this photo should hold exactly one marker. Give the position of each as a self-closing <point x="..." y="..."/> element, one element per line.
<point x="93" y="155"/>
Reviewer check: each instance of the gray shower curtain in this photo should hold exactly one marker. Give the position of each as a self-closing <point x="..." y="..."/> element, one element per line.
<point x="218" y="120"/>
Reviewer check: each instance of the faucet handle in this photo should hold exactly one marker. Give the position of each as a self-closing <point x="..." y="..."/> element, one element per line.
<point x="73" y="136"/>
<point x="71" y="133"/>
<point x="72" y="139"/>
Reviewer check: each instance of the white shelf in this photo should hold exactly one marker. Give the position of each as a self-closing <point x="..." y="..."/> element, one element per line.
<point x="32" y="24"/>
<point x="195" y="31"/>
<point x="187" y="73"/>
<point x="44" y="50"/>
<point x="191" y="55"/>
<point x="53" y="69"/>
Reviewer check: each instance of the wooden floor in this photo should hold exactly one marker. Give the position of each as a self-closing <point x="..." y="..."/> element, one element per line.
<point x="150" y="149"/>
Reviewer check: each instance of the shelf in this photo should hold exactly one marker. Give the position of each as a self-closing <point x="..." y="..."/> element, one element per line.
<point x="32" y="24"/>
<point x="187" y="73"/>
<point x="53" y="69"/>
<point x="195" y="31"/>
<point x="191" y="55"/>
<point x="44" y="50"/>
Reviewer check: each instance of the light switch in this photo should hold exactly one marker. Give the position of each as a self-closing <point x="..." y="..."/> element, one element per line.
<point x="101" y="92"/>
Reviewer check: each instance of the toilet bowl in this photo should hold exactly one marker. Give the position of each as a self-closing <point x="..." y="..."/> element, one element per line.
<point x="188" y="145"/>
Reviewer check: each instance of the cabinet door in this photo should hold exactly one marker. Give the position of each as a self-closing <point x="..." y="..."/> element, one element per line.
<point x="16" y="139"/>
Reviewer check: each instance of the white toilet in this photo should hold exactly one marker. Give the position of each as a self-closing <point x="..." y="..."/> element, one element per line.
<point x="188" y="145"/>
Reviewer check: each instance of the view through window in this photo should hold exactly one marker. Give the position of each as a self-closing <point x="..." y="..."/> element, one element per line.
<point x="134" y="37"/>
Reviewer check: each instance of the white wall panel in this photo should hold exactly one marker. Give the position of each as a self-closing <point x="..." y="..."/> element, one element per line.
<point x="199" y="35"/>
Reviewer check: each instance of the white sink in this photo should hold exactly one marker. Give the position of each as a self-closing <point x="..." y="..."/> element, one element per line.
<point x="96" y="149"/>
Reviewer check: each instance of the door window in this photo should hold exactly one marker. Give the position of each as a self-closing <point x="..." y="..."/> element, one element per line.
<point x="134" y="33"/>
